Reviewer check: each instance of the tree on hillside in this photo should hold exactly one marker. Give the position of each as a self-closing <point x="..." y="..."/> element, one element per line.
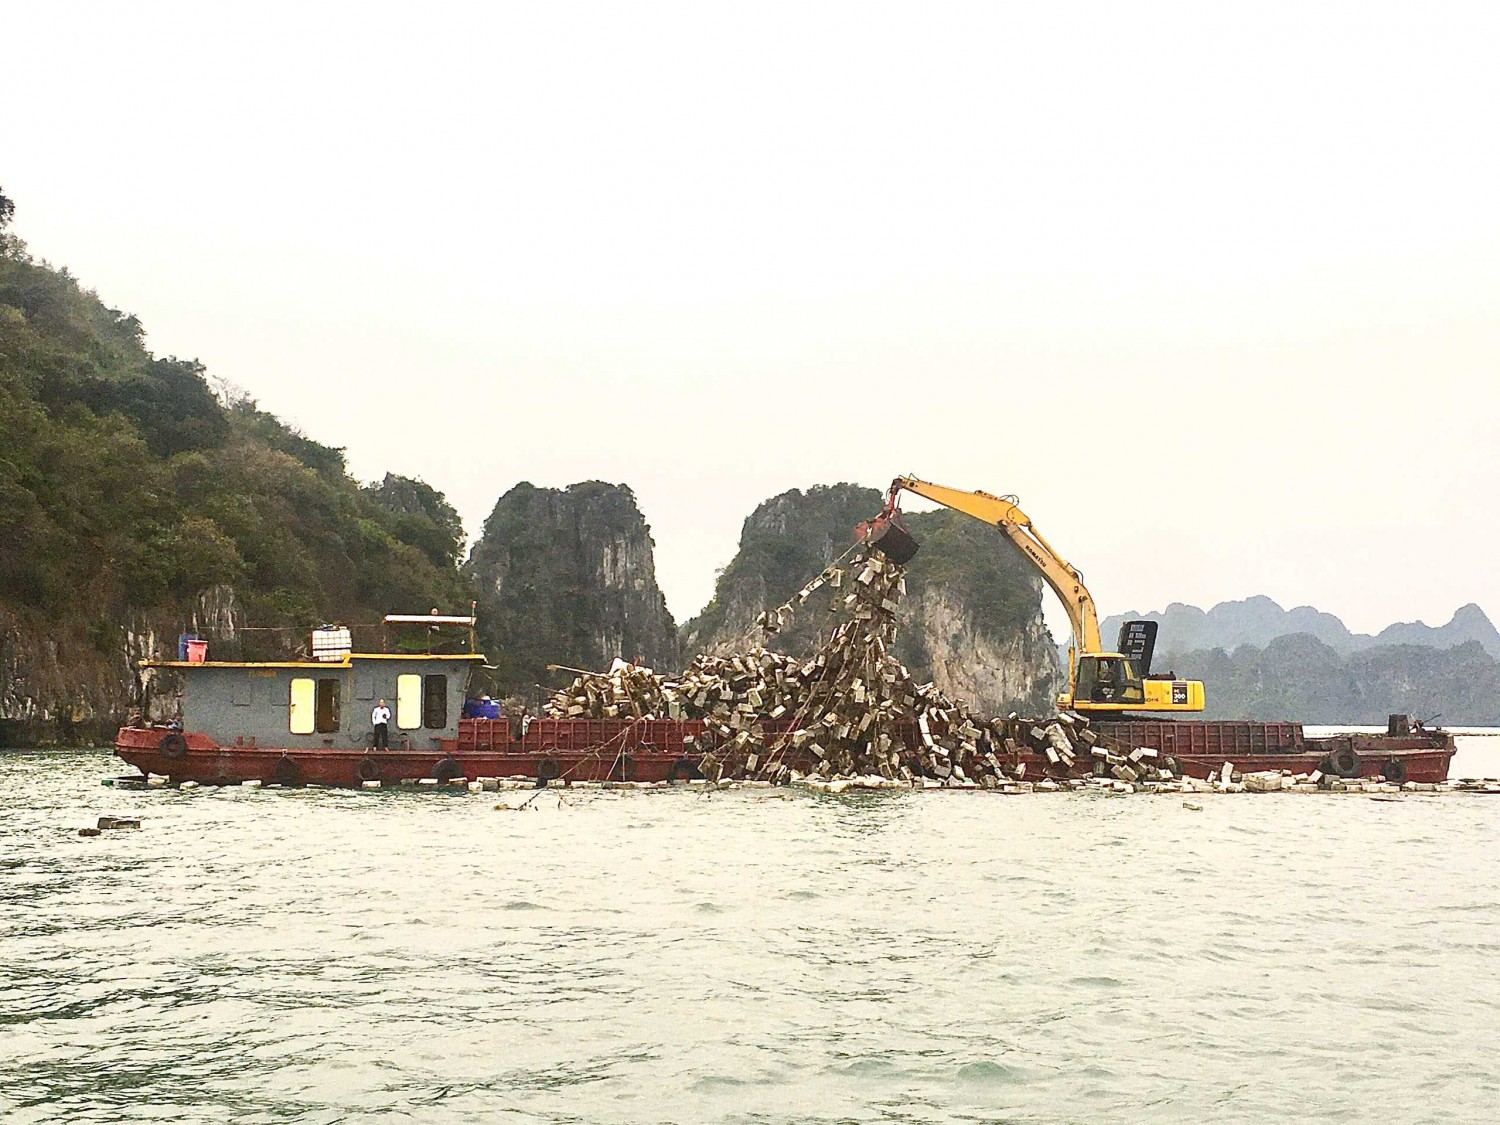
<point x="421" y="516"/>
<point x="10" y="245"/>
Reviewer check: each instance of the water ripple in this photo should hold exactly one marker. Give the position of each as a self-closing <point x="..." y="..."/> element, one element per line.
<point x="323" y="956"/>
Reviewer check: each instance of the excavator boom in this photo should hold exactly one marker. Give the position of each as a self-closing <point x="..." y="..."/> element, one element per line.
<point x="1097" y="680"/>
<point x="1002" y="512"/>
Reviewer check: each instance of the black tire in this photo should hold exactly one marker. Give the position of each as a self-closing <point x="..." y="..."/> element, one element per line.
<point x="1345" y="762"/>
<point x="624" y="769"/>
<point x="1395" y="771"/>
<point x="1172" y="765"/>
<point x="684" y="769"/>
<point x="447" y="769"/>
<point x="287" y="771"/>
<point x="172" y="745"/>
<point x="368" y="769"/>
<point x="548" y="769"/>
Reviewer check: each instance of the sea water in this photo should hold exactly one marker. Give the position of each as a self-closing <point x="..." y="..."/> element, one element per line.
<point x="744" y="956"/>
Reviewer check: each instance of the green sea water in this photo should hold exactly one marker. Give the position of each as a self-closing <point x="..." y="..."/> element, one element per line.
<point x="747" y="956"/>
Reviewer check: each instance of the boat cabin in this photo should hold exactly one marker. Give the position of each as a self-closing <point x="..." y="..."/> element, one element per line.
<point x="327" y="701"/>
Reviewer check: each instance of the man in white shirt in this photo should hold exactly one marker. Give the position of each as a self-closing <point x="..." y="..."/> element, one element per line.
<point x="380" y="719"/>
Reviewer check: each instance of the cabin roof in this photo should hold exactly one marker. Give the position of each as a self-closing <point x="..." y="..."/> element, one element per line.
<point x="342" y="662"/>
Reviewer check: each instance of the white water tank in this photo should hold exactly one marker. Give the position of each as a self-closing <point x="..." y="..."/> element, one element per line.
<point x="331" y="643"/>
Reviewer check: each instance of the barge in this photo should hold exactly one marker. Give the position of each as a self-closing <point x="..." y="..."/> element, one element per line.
<point x="564" y="750"/>
<point x="311" y="722"/>
<point x="1407" y="751"/>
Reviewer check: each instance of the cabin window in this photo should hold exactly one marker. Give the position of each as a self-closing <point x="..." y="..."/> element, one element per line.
<point x="326" y="715"/>
<point x="1108" y="679"/>
<point x="304" y="691"/>
<point x="408" y="702"/>
<point x="435" y="702"/>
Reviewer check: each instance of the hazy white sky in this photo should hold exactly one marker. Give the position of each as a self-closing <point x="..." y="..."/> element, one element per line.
<point x="1212" y="287"/>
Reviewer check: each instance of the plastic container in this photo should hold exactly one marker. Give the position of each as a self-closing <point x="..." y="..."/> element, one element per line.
<point x="197" y="651"/>
<point x="331" y="643"/>
<point x="182" y="643"/>
<point x="481" y="708"/>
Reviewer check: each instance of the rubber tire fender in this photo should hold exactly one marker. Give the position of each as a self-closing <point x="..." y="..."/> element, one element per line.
<point x="1395" y="771"/>
<point x="367" y="769"/>
<point x="172" y="745"/>
<point x="624" y="769"/>
<point x="547" y="769"/>
<point x="447" y="769"/>
<point x="684" y="769"/>
<point x="287" y="772"/>
<point x="1345" y="761"/>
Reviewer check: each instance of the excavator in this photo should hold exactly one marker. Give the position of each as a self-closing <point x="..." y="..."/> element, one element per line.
<point x="1098" y="681"/>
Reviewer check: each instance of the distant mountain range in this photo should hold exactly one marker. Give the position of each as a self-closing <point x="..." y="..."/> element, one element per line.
<point x="1260" y="661"/>
<point x="1259" y="620"/>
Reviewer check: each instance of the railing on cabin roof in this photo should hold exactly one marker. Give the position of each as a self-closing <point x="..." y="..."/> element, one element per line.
<point x="435" y="635"/>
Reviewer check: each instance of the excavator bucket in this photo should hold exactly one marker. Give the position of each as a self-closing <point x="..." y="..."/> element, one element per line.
<point x="891" y="540"/>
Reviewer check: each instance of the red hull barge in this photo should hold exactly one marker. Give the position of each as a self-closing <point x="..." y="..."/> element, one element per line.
<point x="563" y="750"/>
<point x="483" y="748"/>
<point x="1401" y="754"/>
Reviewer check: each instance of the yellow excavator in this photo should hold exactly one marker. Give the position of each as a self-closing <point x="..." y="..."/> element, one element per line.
<point x="1098" y="681"/>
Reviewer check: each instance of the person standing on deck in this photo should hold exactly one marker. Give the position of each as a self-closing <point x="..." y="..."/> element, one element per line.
<point x="380" y="719"/>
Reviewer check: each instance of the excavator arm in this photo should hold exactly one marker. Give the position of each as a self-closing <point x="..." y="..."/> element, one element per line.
<point x="1098" y="681"/>
<point x="1064" y="578"/>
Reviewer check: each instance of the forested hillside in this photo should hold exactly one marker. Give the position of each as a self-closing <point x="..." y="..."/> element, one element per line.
<point x="135" y="502"/>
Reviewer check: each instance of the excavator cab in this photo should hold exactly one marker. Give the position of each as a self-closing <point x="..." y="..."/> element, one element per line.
<point x="1113" y="681"/>
<point x="1107" y="677"/>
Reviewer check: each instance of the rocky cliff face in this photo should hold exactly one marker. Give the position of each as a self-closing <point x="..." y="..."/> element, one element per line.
<point x="568" y="576"/>
<point x="998" y="668"/>
<point x="971" y="620"/>
<point x="63" y="684"/>
<point x="786" y="541"/>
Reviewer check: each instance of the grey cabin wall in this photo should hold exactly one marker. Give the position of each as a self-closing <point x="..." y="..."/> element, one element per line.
<point x="229" y="703"/>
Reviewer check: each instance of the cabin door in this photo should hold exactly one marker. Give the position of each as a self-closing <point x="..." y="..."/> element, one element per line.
<point x="408" y="702"/>
<point x="303" y="693"/>
<point x="327" y="710"/>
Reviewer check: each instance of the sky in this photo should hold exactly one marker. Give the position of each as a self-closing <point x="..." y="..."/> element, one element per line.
<point x="1213" y="288"/>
